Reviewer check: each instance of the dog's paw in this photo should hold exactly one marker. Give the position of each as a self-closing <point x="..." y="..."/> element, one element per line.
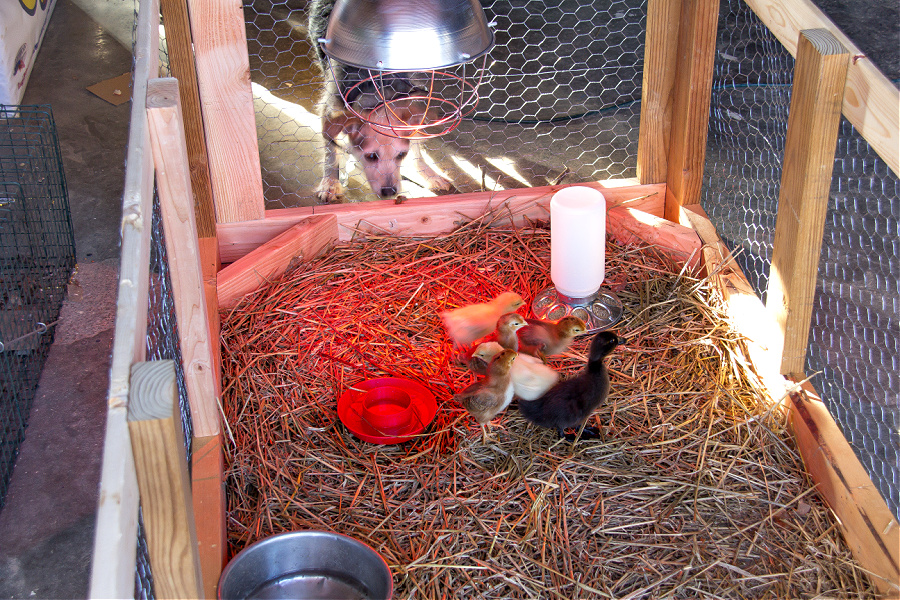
<point x="329" y="191"/>
<point x="436" y="183"/>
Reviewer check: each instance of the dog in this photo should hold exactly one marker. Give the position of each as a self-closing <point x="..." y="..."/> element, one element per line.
<point x="379" y="155"/>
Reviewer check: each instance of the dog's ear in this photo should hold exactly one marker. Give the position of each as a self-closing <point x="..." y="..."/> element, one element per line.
<point x="339" y="121"/>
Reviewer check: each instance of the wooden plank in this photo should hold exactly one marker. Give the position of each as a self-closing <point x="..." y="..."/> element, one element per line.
<point x="744" y="309"/>
<point x="208" y="461"/>
<point x="304" y="241"/>
<point x="223" y="75"/>
<point x="208" y="491"/>
<point x="660" y="66"/>
<point x="181" y="63"/>
<point x="429" y="216"/>
<point x="814" y="118"/>
<point x="177" y="208"/>
<point x="157" y="440"/>
<point x="112" y="567"/>
<point x="867" y="523"/>
<point x="871" y="102"/>
<point x="115" y="536"/>
<point x="631" y="226"/>
<point x="209" y="267"/>
<point x="691" y="97"/>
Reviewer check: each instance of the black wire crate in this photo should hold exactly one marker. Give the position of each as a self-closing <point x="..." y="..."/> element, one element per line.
<point x="37" y="256"/>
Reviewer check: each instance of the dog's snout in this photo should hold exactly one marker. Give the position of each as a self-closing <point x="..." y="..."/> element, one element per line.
<point x="388" y="191"/>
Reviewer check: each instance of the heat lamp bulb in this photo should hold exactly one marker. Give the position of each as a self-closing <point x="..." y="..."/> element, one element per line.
<point x="577" y="241"/>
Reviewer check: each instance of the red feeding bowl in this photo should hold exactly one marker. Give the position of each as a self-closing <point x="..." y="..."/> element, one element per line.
<point x="387" y="410"/>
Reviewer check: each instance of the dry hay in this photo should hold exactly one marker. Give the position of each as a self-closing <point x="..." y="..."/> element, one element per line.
<point x="695" y="492"/>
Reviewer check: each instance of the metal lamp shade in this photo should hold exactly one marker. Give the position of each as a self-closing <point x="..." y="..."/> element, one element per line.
<point x="407" y="35"/>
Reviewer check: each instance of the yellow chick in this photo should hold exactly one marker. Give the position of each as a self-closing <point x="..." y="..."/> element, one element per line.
<point x="531" y="378"/>
<point x="546" y="338"/>
<point x="488" y="397"/>
<point x="470" y="323"/>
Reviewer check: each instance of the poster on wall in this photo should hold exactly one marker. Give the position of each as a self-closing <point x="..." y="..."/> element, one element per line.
<point x="22" y="27"/>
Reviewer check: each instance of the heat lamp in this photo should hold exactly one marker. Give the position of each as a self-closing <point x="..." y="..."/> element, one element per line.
<point x="436" y="44"/>
<point x="578" y="261"/>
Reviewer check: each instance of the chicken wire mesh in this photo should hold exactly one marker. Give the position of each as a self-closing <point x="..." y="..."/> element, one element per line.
<point x="559" y="98"/>
<point x="853" y="344"/>
<point x="37" y="256"/>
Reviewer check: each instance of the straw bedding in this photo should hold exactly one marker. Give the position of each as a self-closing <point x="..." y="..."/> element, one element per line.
<point x="696" y="490"/>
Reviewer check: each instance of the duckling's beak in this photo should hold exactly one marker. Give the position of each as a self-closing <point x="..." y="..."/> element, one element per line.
<point x="621" y="341"/>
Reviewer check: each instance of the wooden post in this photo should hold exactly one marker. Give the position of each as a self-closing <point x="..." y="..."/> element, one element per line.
<point x="208" y="491"/>
<point x="181" y="62"/>
<point x="868" y="525"/>
<point x="223" y="74"/>
<point x="208" y="460"/>
<point x="660" y="66"/>
<point x="157" y="440"/>
<point x="691" y="97"/>
<point x="112" y="567"/>
<point x="177" y="207"/>
<point x="819" y="77"/>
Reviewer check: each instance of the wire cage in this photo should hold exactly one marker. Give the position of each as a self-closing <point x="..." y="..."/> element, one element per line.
<point x="561" y="101"/>
<point x="854" y="345"/>
<point x="37" y="256"/>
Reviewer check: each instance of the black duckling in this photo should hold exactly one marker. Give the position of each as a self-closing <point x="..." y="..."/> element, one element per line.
<point x="570" y="402"/>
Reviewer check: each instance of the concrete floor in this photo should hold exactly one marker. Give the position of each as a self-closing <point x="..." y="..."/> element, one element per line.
<point x="47" y="524"/>
<point x="46" y="527"/>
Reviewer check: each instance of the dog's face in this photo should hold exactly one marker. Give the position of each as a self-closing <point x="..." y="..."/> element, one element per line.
<point x="379" y="155"/>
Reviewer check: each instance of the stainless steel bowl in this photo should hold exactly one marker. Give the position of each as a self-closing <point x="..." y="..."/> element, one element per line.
<point x="407" y="35"/>
<point x="307" y="564"/>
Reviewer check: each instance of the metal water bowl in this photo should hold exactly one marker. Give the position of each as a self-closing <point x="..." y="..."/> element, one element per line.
<point x="313" y="565"/>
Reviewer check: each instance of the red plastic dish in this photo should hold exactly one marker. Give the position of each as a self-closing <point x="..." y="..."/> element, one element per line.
<point x="387" y="410"/>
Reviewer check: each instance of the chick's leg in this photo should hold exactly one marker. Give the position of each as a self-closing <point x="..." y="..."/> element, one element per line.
<point x="486" y="430"/>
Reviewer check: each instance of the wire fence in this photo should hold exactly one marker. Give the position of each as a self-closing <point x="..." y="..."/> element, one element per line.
<point x="559" y="100"/>
<point x="37" y="256"/>
<point x="854" y="342"/>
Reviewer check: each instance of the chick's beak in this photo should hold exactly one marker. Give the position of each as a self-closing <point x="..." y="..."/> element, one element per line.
<point x="621" y="341"/>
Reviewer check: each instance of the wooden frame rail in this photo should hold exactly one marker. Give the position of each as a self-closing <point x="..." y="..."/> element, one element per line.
<point x="871" y="102"/>
<point x="115" y="548"/>
<point x="430" y="216"/>
<point x="867" y="523"/>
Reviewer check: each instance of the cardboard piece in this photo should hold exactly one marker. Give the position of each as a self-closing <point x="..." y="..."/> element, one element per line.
<point x="116" y="91"/>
